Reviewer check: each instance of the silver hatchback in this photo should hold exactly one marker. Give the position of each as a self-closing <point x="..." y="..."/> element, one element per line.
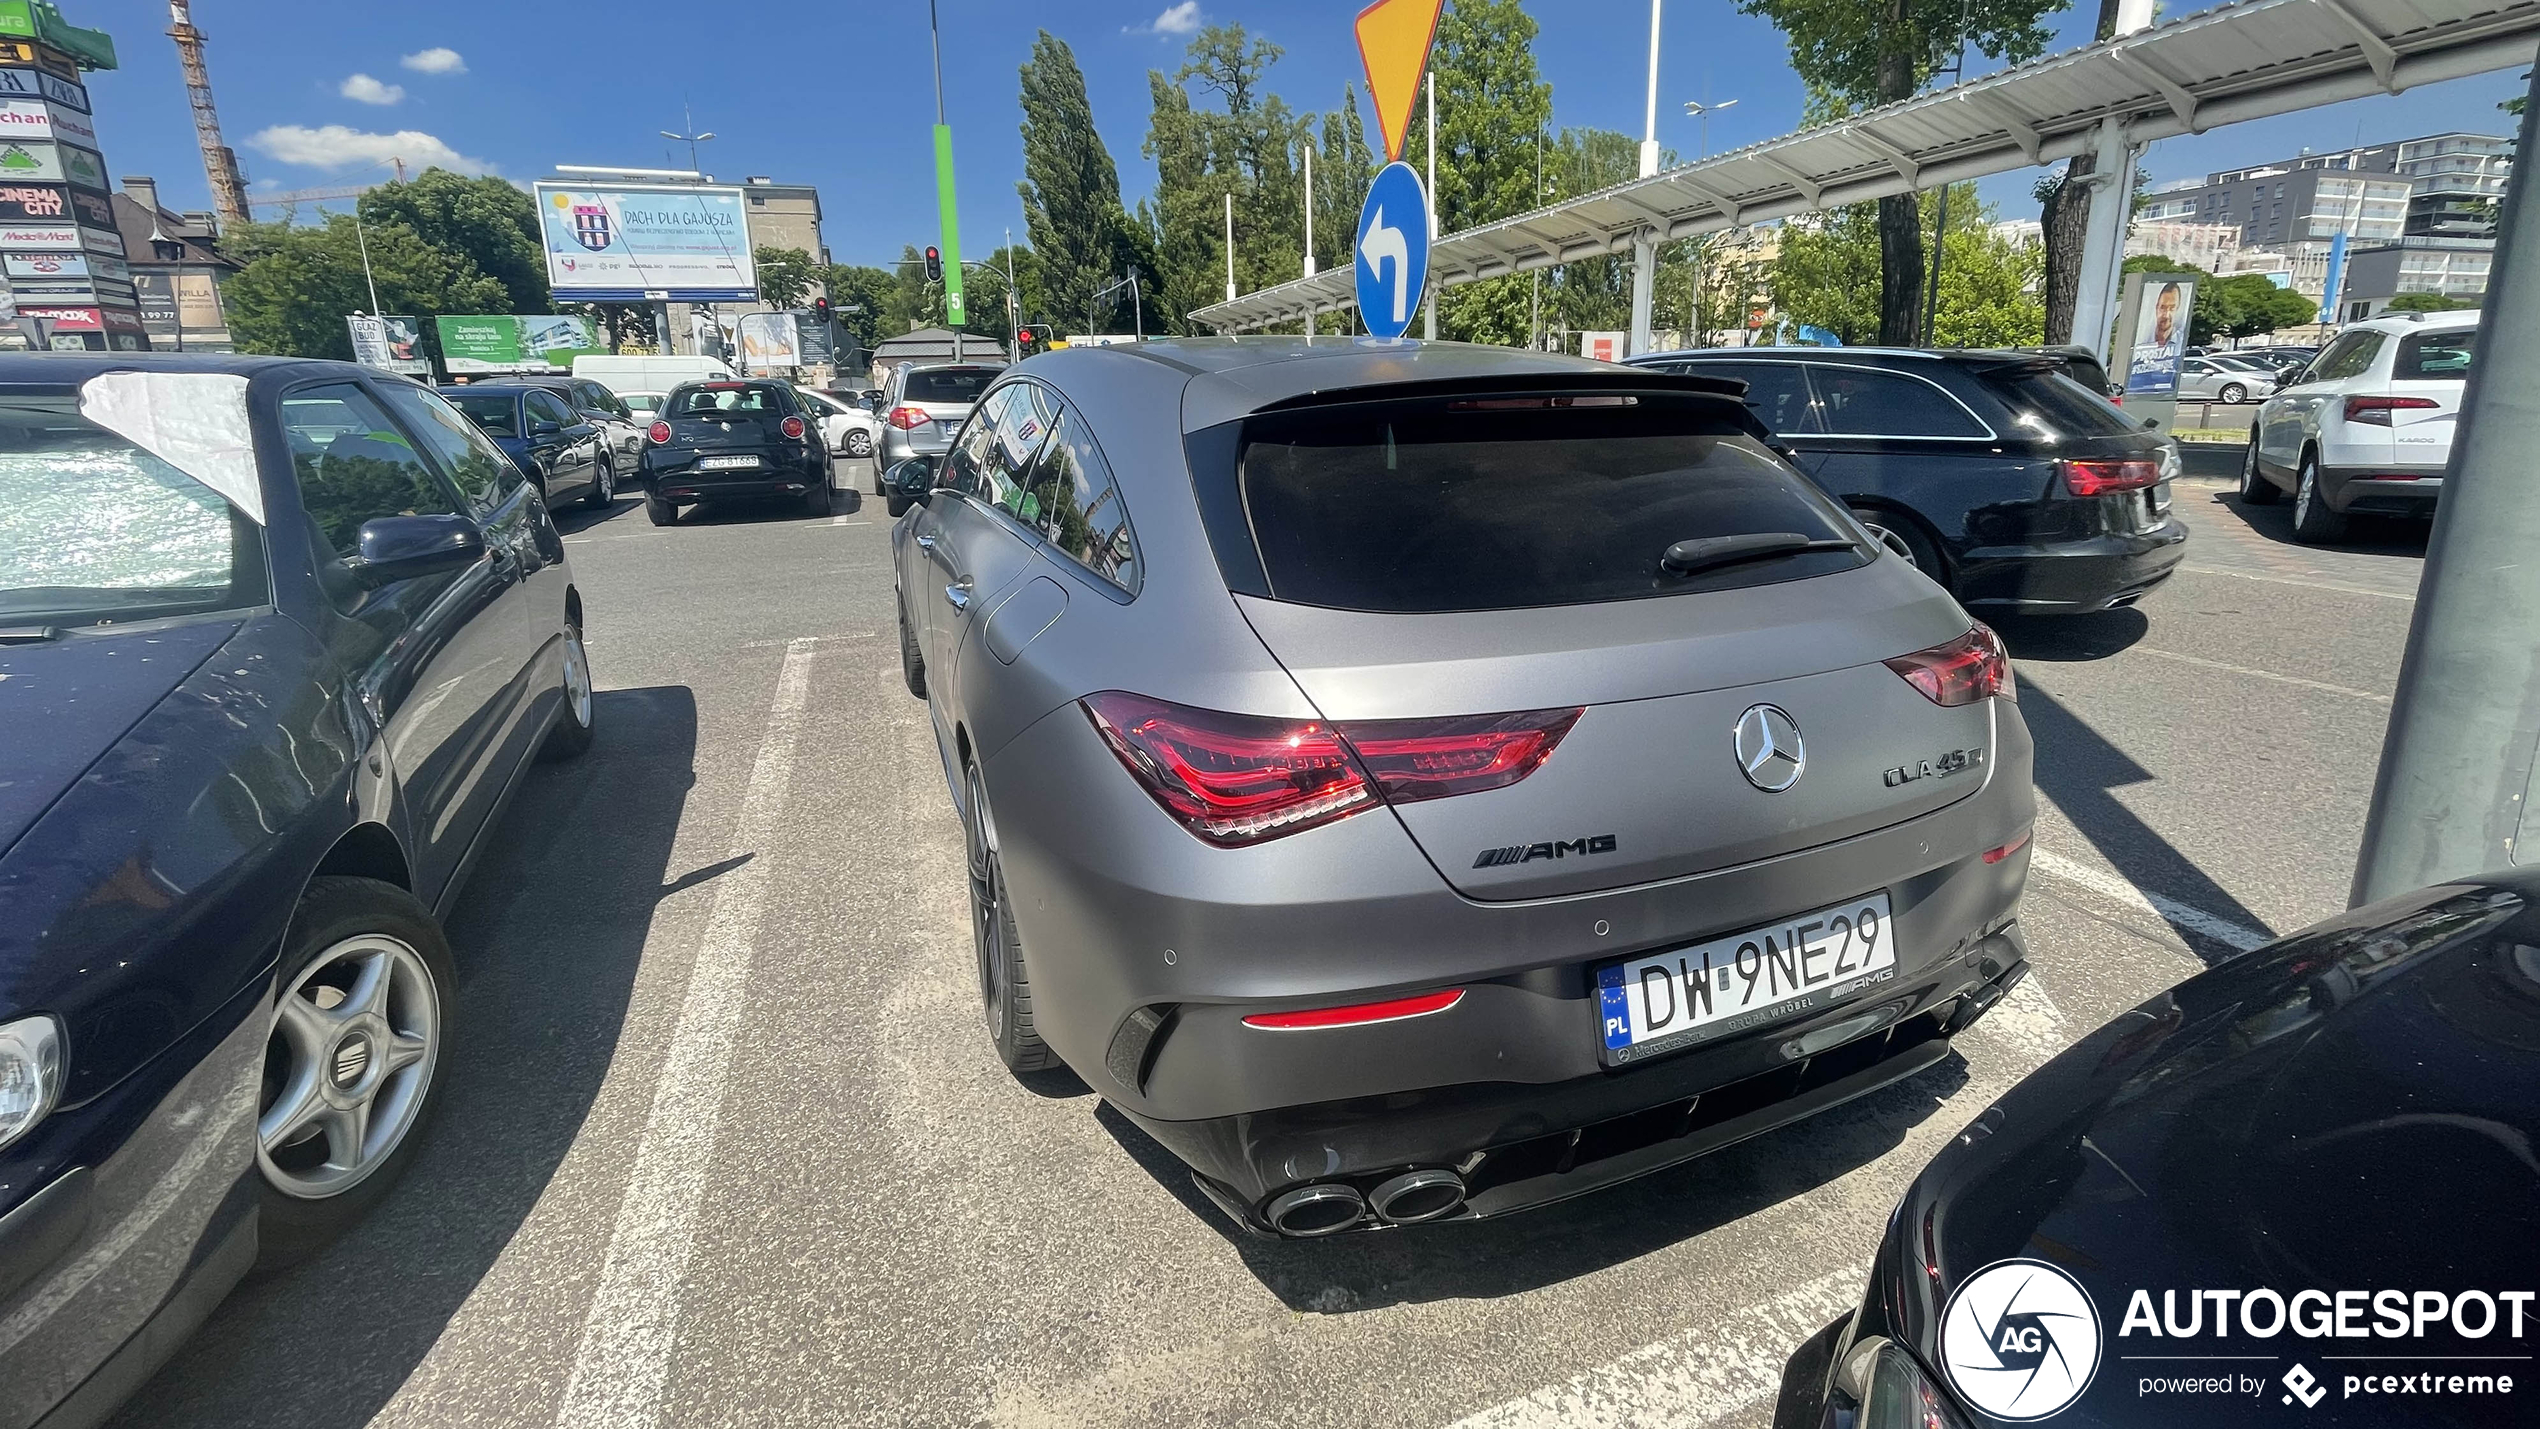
<point x="922" y="406"/>
<point x="1423" y="781"/>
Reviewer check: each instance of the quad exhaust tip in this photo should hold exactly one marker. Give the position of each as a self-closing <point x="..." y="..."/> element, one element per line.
<point x="1324" y="1208"/>
<point x="1416" y="1196"/>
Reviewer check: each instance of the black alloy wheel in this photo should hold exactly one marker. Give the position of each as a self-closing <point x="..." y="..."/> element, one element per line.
<point x="1005" y="992"/>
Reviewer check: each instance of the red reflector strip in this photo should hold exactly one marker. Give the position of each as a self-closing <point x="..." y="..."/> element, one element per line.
<point x="1996" y="855"/>
<point x="1360" y="1014"/>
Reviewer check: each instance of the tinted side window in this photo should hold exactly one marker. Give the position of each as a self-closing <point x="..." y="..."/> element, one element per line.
<point x="466" y="454"/>
<point x="1080" y="507"/>
<point x="2434" y="355"/>
<point x="544" y="407"/>
<point x="2349" y="356"/>
<point x="1855" y="401"/>
<point x="1777" y="392"/>
<point x="970" y="450"/>
<point x="2056" y="405"/>
<point x="1022" y="420"/>
<point x="354" y="466"/>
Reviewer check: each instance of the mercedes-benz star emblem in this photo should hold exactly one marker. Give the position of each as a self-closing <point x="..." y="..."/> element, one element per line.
<point x="1769" y="748"/>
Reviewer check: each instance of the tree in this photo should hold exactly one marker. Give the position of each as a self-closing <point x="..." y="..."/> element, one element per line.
<point x="1492" y="104"/>
<point x="1987" y="283"/>
<point x="1344" y="168"/>
<point x="1081" y="235"/>
<point x="293" y="296"/>
<point x="867" y="290"/>
<point x="1250" y="149"/>
<point x="488" y="221"/>
<point x="2426" y="303"/>
<point x="785" y="276"/>
<point x="2064" y="218"/>
<point x="1865" y="54"/>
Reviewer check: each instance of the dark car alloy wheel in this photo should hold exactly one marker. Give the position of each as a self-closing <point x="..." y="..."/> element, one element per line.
<point x="1005" y="993"/>
<point x="2313" y="521"/>
<point x="574" y="728"/>
<point x="1899" y="535"/>
<point x="603" y="487"/>
<point x="2255" y="489"/>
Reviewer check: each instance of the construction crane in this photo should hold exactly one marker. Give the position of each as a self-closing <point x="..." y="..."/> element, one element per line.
<point x="220" y="162"/>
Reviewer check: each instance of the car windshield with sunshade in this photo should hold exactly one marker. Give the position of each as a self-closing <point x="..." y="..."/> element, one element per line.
<point x="1491" y="503"/>
<point x="722" y="400"/>
<point x="95" y="529"/>
<point x="497" y="413"/>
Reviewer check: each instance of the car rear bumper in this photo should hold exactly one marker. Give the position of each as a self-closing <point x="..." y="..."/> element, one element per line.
<point x="1147" y="948"/>
<point x="2385" y="489"/>
<point x="144" y="1220"/>
<point x="2073" y="577"/>
<point x="682" y="485"/>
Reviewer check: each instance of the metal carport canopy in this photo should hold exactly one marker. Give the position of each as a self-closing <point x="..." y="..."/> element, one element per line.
<point x="2239" y="61"/>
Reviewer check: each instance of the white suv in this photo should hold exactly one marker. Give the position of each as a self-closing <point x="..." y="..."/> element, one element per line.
<point x="2367" y="427"/>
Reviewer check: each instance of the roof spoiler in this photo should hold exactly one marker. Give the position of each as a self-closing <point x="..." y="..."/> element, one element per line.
<point x="1554" y="383"/>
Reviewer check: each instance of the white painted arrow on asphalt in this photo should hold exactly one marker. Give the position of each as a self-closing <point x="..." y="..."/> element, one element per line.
<point x="1381" y="245"/>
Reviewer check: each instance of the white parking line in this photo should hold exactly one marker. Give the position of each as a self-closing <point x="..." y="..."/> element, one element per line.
<point x="623" y="1364"/>
<point x="1701" y="1376"/>
<point x="2258" y="674"/>
<point x="2288" y="580"/>
<point x="2169" y="910"/>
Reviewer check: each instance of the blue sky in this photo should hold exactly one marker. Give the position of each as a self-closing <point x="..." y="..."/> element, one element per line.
<point x="839" y="93"/>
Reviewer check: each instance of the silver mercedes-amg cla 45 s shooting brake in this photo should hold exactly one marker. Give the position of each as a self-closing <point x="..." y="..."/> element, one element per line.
<point x="1424" y="781"/>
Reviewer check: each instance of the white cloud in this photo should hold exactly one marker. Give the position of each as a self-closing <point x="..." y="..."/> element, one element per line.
<point x="370" y="91"/>
<point x="440" y="59"/>
<point x="336" y="146"/>
<point x="1182" y="19"/>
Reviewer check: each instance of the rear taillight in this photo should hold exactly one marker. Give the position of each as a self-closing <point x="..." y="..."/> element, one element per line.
<point x="2097" y="478"/>
<point x="659" y="432"/>
<point x="792" y="427"/>
<point x="908" y="418"/>
<point x="1240" y="779"/>
<point x="2375" y="411"/>
<point x="1967" y="669"/>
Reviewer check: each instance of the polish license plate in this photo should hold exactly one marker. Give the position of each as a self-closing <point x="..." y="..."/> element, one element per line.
<point x="1660" y="1002"/>
<point x="726" y="463"/>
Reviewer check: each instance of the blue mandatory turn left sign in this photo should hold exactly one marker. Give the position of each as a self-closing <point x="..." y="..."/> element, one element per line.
<point x="1393" y="250"/>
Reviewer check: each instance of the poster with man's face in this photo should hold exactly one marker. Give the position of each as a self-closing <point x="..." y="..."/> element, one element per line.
<point x="2160" y="335"/>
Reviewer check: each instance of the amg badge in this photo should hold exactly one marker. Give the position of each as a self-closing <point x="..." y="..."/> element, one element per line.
<point x="1528" y="853"/>
<point x="1956" y="761"/>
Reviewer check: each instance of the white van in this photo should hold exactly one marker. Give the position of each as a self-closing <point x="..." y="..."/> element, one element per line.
<point x="649" y="374"/>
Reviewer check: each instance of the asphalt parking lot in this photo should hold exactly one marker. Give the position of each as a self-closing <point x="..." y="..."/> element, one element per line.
<point x="723" y="1142"/>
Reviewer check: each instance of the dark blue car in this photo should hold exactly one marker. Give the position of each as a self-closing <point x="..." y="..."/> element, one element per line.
<point x="277" y="640"/>
<point x="560" y="449"/>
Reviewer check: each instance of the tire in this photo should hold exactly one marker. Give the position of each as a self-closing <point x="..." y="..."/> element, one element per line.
<point x="816" y="500"/>
<point x="896" y="505"/>
<point x="860" y="444"/>
<point x="912" y="664"/>
<point x="603" y="487"/>
<point x="661" y="512"/>
<point x="2313" y="523"/>
<point x="572" y="731"/>
<point x="355" y="943"/>
<point x="2233" y="394"/>
<point x="1005" y="991"/>
<point x="2255" y="489"/>
<point x="1905" y="537"/>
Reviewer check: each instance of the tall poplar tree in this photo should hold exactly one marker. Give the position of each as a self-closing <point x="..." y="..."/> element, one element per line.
<point x="1081" y="235"/>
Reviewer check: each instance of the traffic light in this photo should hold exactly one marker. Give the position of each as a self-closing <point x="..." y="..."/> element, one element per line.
<point x="1025" y="341"/>
<point x="820" y="309"/>
<point x="934" y="264"/>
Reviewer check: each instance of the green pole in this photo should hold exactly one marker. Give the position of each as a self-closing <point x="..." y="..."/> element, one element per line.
<point x="954" y="317"/>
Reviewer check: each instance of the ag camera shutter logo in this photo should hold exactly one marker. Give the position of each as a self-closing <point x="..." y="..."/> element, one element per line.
<point x="2020" y="1340"/>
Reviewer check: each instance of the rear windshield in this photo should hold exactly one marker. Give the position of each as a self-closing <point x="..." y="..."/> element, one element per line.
<point x="717" y="400"/>
<point x="2052" y="404"/>
<point x="948" y="384"/>
<point x="2434" y="356"/>
<point x="641" y="401"/>
<point x="495" y="412"/>
<point x="1437" y="506"/>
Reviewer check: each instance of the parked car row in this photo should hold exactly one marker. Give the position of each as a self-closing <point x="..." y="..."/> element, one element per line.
<point x="277" y="640"/>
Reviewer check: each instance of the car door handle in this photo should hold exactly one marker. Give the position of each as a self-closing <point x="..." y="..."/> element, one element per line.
<point x="959" y="594"/>
<point x="925" y="543"/>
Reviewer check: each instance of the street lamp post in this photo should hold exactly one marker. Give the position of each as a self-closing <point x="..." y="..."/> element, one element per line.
<point x="691" y="138"/>
<point x="1645" y="246"/>
<point x="1701" y="110"/>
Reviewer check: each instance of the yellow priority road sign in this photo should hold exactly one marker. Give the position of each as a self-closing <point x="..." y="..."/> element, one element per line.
<point x="1393" y="42"/>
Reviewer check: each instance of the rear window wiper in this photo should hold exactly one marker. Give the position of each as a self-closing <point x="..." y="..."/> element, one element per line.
<point x="1709" y="553"/>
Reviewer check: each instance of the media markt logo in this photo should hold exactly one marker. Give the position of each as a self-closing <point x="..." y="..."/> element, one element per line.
<point x="2020" y="1340"/>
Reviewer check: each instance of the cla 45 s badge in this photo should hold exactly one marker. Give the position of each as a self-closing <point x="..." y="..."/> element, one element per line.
<point x="1956" y="761"/>
<point x="1528" y="853"/>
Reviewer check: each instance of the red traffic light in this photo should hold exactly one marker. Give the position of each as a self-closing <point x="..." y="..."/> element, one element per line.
<point x="934" y="264"/>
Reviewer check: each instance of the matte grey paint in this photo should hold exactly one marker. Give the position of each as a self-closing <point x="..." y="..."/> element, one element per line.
<point x="1104" y="882"/>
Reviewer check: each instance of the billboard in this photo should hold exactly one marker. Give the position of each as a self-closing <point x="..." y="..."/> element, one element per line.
<point x="392" y="343"/>
<point x="43" y="119"/>
<point x="532" y="342"/>
<point x="646" y="243"/>
<point x="768" y="342"/>
<point x="2153" y="319"/>
<point x="45" y="162"/>
<point x="36" y="84"/>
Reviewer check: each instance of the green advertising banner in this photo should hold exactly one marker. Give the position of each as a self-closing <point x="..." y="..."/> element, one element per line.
<point x="954" y="317"/>
<point x="531" y="342"/>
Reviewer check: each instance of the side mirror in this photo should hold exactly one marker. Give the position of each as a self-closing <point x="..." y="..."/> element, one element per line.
<point x="545" y="427"/>
<point x="2149" y="423"/>
<point x="912" y="478"/>
<point x="396" y="548"/>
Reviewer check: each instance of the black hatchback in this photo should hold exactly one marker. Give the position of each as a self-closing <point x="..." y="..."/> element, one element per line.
<point x="2005" y="480"/>
<point x="714" y="440"/>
